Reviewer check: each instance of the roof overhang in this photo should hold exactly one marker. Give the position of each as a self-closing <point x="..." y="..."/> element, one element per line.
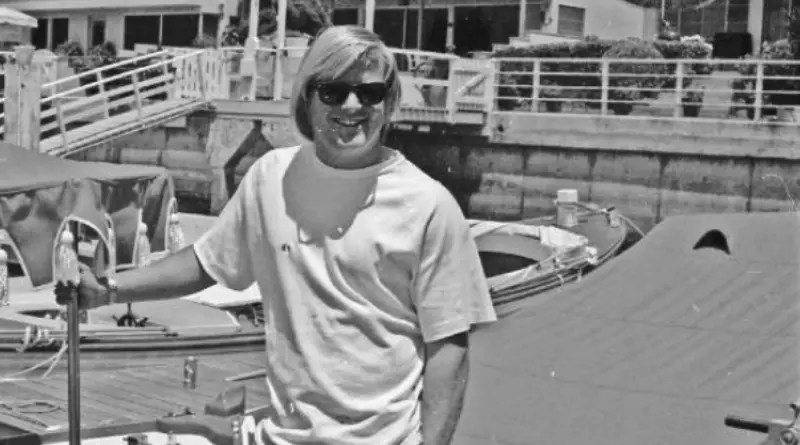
<point x="10" y="16"/>
<point x="40" y="6"/>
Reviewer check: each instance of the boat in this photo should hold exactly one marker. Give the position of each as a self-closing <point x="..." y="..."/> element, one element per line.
<point x="122" y="216"/>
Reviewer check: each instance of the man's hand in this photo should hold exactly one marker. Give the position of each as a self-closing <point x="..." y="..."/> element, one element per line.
<point x="91" y="293"/>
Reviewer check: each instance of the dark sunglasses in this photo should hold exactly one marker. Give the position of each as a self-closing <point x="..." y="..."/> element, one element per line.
<point x="336" y="93"/>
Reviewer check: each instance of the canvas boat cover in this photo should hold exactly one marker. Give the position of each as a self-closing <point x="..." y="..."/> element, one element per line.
<point x="655" y="348"/>
<point x="38" y="191"/>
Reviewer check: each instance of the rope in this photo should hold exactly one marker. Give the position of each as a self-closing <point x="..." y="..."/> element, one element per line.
<point x="25" y="409"/>
<point x="42" y="337"/>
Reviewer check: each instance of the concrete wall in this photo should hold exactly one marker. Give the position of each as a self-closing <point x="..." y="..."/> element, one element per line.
<point x="648" y="169"/>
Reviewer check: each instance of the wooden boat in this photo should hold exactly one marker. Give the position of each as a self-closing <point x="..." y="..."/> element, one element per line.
<point x="123" y="216"/>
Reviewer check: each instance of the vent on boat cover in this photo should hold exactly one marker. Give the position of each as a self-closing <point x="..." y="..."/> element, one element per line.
<point x="713" y="239"/>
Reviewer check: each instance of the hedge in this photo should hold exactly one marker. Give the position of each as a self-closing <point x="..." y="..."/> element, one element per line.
<point x="584" y="80"/>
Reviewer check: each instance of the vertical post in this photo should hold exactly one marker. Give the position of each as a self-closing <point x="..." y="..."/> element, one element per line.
<point x="759" y="99"/>
<point x="537" y="85"/>
<point x="248" y="64"/>
<point x="523" y="14"/>
<point x="137" y="95"/>
<point x="67" y="273"/>
<point x="277" y="91"/>
<point x="201" y="76"/>
<point x="405" y="27"/>
<point x="679" y="70"/>
<point x="101" y="86"/>
<point x="22" y="106"/>
<point x="419" y="23"/>
<point x="200" y="24"/>
<point x="222" y="24"/>
<point x="369" y="19"/>
<point x="451" y="20"/>
<point x="605" y="71"/>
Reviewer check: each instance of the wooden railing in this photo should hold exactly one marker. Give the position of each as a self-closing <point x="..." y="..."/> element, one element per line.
<point x="128" y="86"/>
<point x="436" y="86"/>
<point x="720" y="89"/>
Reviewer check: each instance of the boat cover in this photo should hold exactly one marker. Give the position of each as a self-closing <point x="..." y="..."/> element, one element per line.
<point x="655" y="348"/>
<point x="38" y="192"/>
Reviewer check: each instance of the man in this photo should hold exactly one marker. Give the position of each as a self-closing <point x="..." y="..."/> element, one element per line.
<point x="370" y="279"/>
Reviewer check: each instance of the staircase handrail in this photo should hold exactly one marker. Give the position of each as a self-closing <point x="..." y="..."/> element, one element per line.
<point x="122" y="75"/>
<point x="97" y="70"/>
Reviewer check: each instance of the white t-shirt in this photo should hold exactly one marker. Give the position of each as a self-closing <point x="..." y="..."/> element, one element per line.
<point x="357" y="269"/>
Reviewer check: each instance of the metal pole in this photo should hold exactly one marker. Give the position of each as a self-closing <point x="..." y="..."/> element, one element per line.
<point x="278" y="77"/>
<point x="369" y="21"/>
<point x="74" y="371"/>
<point x="67" y="272"/>
<point x="663" y="9"/>
<point x="419" y="23"/>
<point x="248" y="65"/>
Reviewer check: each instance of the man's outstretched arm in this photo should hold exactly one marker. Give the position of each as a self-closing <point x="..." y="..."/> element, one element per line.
<point x="174" y="276"/>
<point x="443" y="387"/>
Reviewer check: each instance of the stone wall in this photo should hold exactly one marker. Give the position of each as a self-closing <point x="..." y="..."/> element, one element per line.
<point x="648" y="170"/>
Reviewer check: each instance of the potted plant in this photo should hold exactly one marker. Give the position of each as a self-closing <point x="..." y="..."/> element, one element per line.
<point x="692" y="101"/>
<point x="550" y="95"/>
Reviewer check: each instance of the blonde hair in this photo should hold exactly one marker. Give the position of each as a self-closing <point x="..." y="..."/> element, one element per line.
<point x="331" y="54"/>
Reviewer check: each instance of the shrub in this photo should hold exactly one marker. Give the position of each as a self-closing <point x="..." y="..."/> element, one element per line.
<point x="626" y="89"/>
<point x="779" y="50"/>
<point x="585" y="83"/>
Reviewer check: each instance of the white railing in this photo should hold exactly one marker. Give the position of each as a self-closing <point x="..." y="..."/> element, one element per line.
<point x="669" y="88"/>
<point x="162" y="77"/>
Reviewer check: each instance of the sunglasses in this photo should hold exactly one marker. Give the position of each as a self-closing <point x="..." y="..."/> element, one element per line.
<point x="336" y="93"/>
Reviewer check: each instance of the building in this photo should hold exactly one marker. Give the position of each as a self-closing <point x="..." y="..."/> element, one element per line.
<point x="478" y="25"/>
<point x="91" y="22"/>
<point x="465" y="26"/>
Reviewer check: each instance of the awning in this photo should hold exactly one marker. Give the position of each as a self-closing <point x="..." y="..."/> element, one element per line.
<point x="10" y="16"/>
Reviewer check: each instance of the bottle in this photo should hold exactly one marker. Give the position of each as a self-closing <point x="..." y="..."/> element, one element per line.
<point x="566" y="208"/>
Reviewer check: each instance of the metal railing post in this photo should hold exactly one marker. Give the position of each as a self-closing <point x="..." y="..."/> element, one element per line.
<point x="605" y="71"/>
<point x="537" y="85"/>
<point x="679" y="71"/>
<point x="758" y="103"/>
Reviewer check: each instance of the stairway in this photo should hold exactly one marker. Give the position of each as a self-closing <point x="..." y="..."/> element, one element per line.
<point x="93" y="107"/>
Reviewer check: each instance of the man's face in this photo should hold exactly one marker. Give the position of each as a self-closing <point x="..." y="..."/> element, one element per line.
<point x="346" y="126"/>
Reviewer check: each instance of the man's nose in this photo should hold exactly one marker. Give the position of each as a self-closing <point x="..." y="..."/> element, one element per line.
<point x="351" y="101"/>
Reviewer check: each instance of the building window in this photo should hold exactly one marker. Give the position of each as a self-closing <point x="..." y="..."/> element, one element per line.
<point x="179" y="29"/>
<point x="40" y="40"/>
<point x="168" y="29"/>
<point x="347" y="16"/>
<point x="97" y="34"/>
<point x="142" y="29"/>
<point x="571" y="20"/>
<point x="478" y="27"/>
<point x="721" y="16"/>
<point x="60" y="32"/>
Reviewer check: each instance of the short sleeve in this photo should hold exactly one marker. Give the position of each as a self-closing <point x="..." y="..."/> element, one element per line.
<point x="452" y="293"/>
<point x="224" y="250"/>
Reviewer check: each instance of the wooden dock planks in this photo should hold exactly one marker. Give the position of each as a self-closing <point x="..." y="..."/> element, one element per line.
<point x="140" y="392"/>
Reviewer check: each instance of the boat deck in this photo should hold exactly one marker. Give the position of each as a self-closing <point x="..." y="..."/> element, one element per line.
<point x="140" y="391"/>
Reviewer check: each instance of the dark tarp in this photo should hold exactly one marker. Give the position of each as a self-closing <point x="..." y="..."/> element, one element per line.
<point x="38" y="191"/>
<point x="656" y="347"/>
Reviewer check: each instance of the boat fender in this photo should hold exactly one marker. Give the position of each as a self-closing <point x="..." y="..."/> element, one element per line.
<point x="175" y="238"/>
<point x="142" y="246"/>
